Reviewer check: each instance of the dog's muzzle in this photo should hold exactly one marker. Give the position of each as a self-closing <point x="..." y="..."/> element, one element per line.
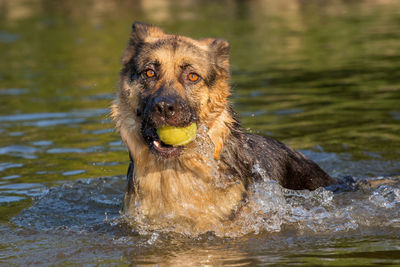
<point x="163" y="110"/>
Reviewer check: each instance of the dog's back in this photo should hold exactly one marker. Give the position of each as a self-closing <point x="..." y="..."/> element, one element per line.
<point x="268" y="158"/>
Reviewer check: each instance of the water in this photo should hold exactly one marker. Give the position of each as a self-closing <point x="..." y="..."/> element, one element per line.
<point x="322" y="77"/>
<point x="78" y="223"/>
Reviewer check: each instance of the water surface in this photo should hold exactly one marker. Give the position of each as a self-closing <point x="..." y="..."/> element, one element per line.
<point x="322" y="77"/>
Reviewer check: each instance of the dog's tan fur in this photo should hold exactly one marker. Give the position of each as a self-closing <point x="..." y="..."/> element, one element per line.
<point x="196" y="191"/>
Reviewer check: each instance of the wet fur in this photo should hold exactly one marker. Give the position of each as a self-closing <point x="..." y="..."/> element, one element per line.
<point x="205" y="186"/>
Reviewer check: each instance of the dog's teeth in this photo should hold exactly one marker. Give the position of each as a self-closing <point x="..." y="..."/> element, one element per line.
<point x="157" y="144"/>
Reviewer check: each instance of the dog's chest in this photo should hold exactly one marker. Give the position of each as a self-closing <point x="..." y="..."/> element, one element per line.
<point x="178" y="194"/>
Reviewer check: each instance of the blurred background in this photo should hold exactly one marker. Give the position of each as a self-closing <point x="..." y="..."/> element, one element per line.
<point x="322" y="76"/>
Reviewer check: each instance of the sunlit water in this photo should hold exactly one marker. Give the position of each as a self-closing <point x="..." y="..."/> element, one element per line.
<point x="323" y="78"/>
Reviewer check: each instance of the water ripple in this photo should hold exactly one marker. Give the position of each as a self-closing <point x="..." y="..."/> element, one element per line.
<point x="13" y="91"/>
<point x="25" y="152"/>
<point x="46" y="123"/>
<point x="75" y="150"/>
<point x="6" y="37"/>
<point x="56" y="115"/>
<point x="9" y="165"/>
<point x="9" y="199"/>
<point x="76" y="172"/>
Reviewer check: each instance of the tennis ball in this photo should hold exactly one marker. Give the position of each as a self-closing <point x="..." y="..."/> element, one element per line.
<point x="177" y="136"/>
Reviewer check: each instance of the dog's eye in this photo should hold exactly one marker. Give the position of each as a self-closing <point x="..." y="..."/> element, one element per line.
<point x="150" y="73"/>
<point x="193" y="77"/>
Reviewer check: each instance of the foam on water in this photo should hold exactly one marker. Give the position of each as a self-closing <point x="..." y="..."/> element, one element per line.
<point x="95" y="203"/>
<point x="322" y="210"/>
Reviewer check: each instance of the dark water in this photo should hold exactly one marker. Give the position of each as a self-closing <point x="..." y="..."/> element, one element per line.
<point x="322" y="76"/>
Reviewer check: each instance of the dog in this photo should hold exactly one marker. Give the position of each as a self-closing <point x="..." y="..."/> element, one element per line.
<point x="201" y="186"/>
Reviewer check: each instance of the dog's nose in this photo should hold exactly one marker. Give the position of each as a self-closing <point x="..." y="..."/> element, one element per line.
<point x="166" y="106"/>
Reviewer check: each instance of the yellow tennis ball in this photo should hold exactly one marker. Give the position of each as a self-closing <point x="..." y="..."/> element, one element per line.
<point x="177" y="136"/>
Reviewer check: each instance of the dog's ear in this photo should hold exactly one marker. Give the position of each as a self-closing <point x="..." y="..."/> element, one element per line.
<point x="220" y="49"/>
<point x="141" y="33"/>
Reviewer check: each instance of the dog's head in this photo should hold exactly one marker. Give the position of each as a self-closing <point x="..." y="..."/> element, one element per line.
<point x="171" y="80"/>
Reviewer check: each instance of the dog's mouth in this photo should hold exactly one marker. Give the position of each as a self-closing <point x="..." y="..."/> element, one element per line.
<point x="165" y="150"/>
<point x="157" y="146"/>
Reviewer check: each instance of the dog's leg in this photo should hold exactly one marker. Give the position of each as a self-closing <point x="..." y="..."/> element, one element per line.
<point x="130" y="189"/>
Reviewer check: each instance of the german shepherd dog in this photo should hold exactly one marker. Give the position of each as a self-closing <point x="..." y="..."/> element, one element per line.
<point x="202" y="186"/>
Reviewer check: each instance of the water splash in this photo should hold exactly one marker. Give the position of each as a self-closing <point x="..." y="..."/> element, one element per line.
<point x="322" y="210"/>
<point x="94" y="204"/>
